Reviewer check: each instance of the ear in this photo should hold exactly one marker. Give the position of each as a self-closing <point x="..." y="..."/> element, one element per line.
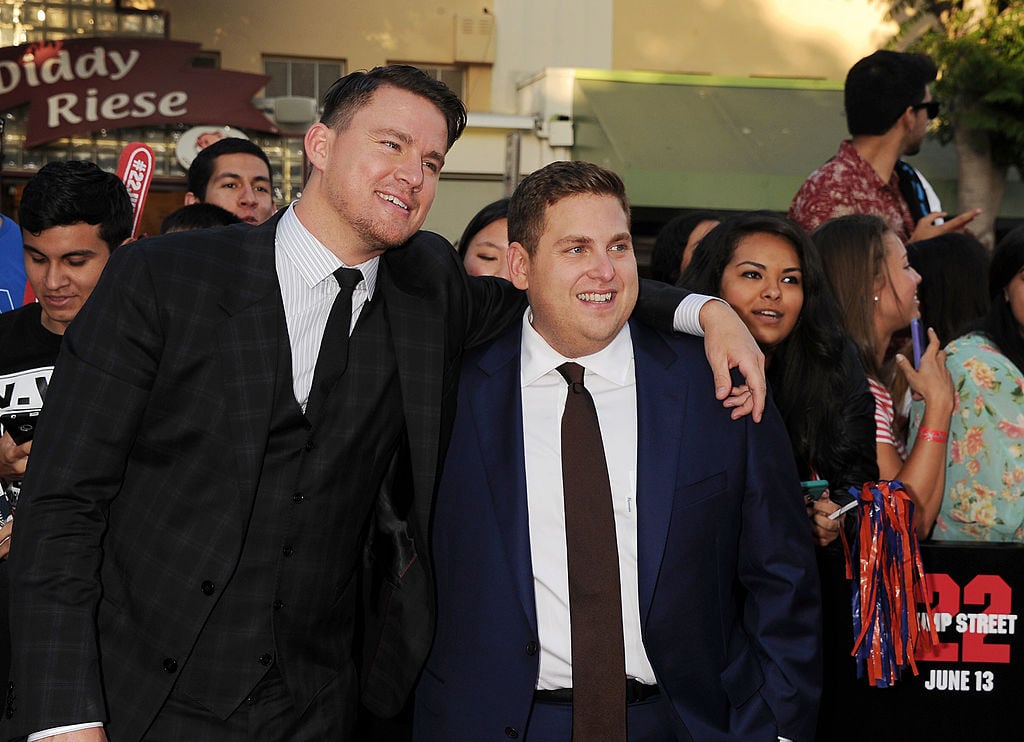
<point x="190" y="198"/>
<point x="880" y="283"/>
<point x="909" y="119"/>
<point x="518" y="265"/>
<point x="317" y="142"/>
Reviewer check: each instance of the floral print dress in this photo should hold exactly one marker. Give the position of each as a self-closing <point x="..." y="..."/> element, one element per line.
<point x="984" y="498"/>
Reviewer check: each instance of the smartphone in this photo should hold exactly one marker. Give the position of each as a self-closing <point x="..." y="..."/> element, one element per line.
<point x="813" y="490"/>
<point x="917" y="336"/>
<point x="21" y="425"/>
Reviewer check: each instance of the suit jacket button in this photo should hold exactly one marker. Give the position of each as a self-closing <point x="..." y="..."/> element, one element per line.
<point x="288" y="551"/>
<point x="511" y="732"/>
<point x="171" y="665"/>
<point x="531" y="648"/>
<point x="278" y="605"/>
<point x="298" y="497"/>
<point x="208" y="588"/>
<point x="265" y="659"/>
<point x="310" y="445"/>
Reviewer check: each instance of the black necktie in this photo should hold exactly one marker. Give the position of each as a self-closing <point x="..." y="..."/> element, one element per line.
<point x="595" y="599"/>
<point x="333" y="356"/>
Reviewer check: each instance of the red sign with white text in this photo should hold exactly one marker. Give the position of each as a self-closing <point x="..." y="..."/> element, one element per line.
<point x="78" y="86"/>
<point x="135" y="169"/>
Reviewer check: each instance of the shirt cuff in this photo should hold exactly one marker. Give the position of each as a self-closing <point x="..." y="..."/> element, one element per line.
<point x="47" y="733"/>
<point x="687" y="316"/>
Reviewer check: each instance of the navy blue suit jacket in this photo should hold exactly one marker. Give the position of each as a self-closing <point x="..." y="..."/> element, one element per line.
<point x="729" y="602"/>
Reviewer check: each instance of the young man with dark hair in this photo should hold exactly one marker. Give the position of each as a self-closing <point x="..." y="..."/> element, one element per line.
<point x="73" y="215"/>
<point x="589" y="478"/>
<point x="240" y="551"/>
<point x="888" y="106"/>
<point x="235" y="174"/>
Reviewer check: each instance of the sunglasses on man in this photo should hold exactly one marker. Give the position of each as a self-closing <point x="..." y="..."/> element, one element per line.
<point x="931" y="107"/>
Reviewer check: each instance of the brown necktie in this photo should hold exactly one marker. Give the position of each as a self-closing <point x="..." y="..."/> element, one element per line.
<point x="595" y="600"/>
<point x="333" y="356"/>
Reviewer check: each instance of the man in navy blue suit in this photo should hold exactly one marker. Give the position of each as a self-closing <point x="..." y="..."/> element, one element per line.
<point x="716" y="579"/>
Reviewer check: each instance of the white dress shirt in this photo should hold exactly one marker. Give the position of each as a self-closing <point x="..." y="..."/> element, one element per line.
<point x="611" y="380"/>
<point x="305" y="269"/>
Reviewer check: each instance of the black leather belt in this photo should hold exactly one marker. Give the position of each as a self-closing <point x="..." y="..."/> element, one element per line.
<point x="635" y="692"/>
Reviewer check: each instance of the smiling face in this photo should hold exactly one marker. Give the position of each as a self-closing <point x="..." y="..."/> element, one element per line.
<point x="582" y="278"/>
<point x="485" y="255"/>
<point x="375" y="180"/>
<point x="63" y="266"/>
<point x="764" y="285"/>
<point x="896" y="289"/>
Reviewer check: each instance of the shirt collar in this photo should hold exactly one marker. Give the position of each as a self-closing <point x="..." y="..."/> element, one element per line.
<point x="865" y="167"/>
<point x="613" y="362"/>
<point x="311" y="258"/>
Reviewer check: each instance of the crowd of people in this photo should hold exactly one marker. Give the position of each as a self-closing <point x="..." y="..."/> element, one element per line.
<point x="306" y="464"/>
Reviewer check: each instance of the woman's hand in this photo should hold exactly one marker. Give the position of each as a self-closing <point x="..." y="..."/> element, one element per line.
<point x="932" y="381"/>
<point x="824" y="530"/>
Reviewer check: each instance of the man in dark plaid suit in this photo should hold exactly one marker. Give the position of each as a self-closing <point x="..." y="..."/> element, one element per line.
<point x="199" y="553"/>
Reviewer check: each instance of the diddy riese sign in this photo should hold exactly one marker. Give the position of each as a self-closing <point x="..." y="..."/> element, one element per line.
<point x="78" y="86"/>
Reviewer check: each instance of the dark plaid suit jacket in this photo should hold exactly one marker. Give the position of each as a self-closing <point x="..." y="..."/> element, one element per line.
<point x="146" y="463"/>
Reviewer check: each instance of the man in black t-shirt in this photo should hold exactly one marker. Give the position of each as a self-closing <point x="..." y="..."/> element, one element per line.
<point x="72" y="215"/>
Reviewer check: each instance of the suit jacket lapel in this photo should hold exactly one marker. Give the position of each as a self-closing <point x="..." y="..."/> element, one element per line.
<point x="416" y="321"/>
<point x="660" y="401"/>
<point x="497" y="408"/>
<point x="249" y="352"/>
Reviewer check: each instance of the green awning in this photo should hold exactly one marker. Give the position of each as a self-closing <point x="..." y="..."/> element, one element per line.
<point x="699" y="141"/>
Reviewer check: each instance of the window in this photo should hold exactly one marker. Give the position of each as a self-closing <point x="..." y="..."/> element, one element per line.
<point x="452" y="76"/>
<point x="295" y="76"/>
<point x="206" y="60"/>
<point x="24" y="22"/>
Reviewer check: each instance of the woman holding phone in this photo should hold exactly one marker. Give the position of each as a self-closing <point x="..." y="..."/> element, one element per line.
<point x="770" y="273"/>
<point x="876" y="287"/>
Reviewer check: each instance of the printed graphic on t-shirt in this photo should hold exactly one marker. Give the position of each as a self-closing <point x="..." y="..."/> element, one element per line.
<point x="21" y="391"/>
<point x="24" y="391"/>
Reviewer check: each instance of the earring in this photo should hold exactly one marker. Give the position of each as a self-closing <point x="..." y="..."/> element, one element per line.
<point x="876" y="298"/>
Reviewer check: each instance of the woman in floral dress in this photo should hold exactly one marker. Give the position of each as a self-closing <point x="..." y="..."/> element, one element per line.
<point x="984" y="498"/>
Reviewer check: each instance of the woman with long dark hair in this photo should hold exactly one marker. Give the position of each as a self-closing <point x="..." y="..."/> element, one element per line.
<point x="984" y="499"/>
<point x="770" y="272"/>
<point x="484" y="243"/>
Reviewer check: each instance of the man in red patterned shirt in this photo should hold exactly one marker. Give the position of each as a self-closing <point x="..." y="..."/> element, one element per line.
<point x="888" y="107"/>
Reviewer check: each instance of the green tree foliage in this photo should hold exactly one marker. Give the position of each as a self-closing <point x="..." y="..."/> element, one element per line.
<point x="979" y="48"/>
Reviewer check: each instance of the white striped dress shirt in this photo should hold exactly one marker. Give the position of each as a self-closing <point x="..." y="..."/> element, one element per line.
<point x="305" y="269"/>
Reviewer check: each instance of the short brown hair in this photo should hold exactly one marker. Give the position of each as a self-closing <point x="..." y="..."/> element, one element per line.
<point x="353" y="91"/>
<point x="545" y="187"/>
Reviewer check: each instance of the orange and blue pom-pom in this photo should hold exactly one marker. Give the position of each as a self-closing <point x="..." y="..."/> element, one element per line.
<point x="889" y="583"/>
